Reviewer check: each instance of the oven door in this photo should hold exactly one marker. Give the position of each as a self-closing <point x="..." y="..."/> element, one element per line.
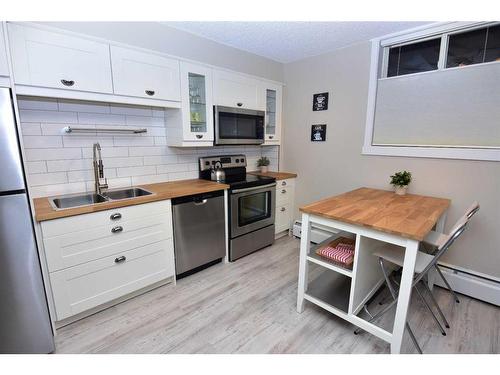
<point x="252" y="209"/>
<point x="236" y="126"/>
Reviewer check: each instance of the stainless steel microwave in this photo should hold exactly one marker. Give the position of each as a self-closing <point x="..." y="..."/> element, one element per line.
<point x="238" y="126"/>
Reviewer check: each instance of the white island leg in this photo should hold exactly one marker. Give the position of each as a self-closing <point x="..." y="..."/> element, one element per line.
<point x="405" y="289"/>
<point x="303" y="268"/>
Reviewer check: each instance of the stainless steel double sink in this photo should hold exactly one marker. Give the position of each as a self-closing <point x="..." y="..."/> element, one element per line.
<point x="85" y="199"/>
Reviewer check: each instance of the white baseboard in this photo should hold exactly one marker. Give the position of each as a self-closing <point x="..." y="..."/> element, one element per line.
<point x="471" y="285"/>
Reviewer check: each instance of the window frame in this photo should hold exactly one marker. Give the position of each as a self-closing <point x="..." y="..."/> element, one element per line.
<point x="378" y="71"/>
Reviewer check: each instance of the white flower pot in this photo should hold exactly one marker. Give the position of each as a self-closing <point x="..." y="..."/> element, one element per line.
<point x="264" y="169"/>
<point x="401" y="190"/>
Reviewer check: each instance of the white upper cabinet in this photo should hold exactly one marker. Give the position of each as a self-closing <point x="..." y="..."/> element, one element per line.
<point x="273" y="94"/>
<point x="235" y="90"/>
<point x="48" y="59"/>
<point x="4" y="66"/>
<point x="145" y="75"/>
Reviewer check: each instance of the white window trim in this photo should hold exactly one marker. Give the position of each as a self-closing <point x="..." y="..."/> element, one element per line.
<point x="467" y="153"/>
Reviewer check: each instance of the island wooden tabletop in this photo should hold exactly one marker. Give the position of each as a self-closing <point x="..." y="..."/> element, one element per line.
<point x="410" y="216"/>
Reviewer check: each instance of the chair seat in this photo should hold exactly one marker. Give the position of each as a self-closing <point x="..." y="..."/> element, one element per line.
<point x="435" y="239"/>
<point x="395" y="254"/>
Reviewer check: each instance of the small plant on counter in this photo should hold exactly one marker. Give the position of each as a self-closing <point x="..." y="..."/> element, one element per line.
<point x="263" y="164"/>
<point x="401" y="180"/>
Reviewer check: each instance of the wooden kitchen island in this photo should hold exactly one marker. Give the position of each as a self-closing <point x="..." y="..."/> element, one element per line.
<point x="372" y="217"/>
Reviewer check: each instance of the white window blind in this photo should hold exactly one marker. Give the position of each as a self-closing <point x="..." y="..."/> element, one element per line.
<point x="457" y="107"/>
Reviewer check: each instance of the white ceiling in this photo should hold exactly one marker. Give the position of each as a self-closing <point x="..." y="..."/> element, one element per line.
<point x="290" y="41"/>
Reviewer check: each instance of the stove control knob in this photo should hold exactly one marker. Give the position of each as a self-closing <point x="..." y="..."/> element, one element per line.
<point x="237" y="160"/>
<point x="242" y="160"/>
<point x="207" y="163"/>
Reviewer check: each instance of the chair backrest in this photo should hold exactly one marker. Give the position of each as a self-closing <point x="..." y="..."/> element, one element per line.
<point x="445" y="245"/>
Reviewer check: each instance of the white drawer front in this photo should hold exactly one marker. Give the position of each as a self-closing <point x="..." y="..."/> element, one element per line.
<point x="102" y="218"/>
<point x="74" y="248"/>
<point x="48" y="59"/>
<point x="83" y="287"/>
<point x="283" y="217"/>
<point x="284" y="194"/>
<point x="285" y="183"/>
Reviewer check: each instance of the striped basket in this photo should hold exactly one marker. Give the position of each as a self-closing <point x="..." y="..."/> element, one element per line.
<point x="340" y="250"/>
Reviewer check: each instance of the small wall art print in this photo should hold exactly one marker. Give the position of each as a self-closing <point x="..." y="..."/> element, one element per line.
<point x="318" y="133"/>
<point x="320" y="101"/>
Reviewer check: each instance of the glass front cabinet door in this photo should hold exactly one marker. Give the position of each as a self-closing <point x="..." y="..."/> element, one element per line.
<point x="197" y="107"/>
<point x="273" y="97"/>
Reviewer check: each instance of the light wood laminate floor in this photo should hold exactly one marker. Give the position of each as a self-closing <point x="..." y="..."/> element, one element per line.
<point x="249" y="307"/>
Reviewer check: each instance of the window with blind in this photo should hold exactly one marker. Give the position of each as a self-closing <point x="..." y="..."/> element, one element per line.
<point x="439" y="91"/>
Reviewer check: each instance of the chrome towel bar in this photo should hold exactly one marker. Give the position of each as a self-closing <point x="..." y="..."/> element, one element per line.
<point x="74" y="129"/>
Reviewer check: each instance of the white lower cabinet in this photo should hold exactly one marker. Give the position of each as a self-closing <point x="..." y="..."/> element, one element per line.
<point x="285" y="190"/>
<point x="98" y="257"/>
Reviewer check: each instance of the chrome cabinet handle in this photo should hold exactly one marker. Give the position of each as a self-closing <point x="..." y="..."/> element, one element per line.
<point x="283" y="209"/>
<point x="239" y="104"/>
<point x="121" y="259"/>
<point x="271" y="136"/>
<point x="283" y="183"/>
<point x="117" y="229"/>
<point x="283" y="191"/>
<point x="65" y="82"/>
<point x="116" y="216"/>
<point x="149" y="92"/>
<point x="199" y="136"/>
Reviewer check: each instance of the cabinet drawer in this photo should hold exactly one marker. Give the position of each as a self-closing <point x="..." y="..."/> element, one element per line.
<point x="102" y="218"/>
<point x="285" y="183"/>
<point x="75" y="248"/>
<point x="283" y="217"/>
<point x="48" y="59"/>
<point x="83" y="287"/>
<point x="284" y="194"/>
<point x="145" y="75"/>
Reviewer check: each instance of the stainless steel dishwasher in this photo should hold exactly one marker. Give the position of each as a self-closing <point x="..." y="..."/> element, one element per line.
<point x="199" y="231"/>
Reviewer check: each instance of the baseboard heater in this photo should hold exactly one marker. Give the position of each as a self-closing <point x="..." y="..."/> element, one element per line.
<point x="470" y="284"/>
<point x="462" y="281"/>
<point x="319" y="233"/>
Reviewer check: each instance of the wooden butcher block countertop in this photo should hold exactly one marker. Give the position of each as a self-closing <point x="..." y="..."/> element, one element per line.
<point x="410" y="216"/>
<point x="161" y="191"/>
<point x="277" y="175"/>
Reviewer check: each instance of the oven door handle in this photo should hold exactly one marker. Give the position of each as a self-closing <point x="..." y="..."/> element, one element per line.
<point x="253" y="188"/>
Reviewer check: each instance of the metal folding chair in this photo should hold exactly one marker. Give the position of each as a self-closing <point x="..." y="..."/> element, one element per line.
<point x="425" y="262"/>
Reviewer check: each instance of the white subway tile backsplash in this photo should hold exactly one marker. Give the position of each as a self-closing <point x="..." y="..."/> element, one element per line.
<point x="34" y="141"/>
<point x="100" y="119"/>
<point x="30" y="128"/>
<point x="81" y="106"/>
<point x="61" y="163"/>
<point x="47" y="178"/>
<point x="135" y="171"/>
<point x="156" y="160"/>
<point x="33" y="167"/>
<point x="68" y="165"/>
<point x="52" y="154"/>
<point x="28" y="115"/>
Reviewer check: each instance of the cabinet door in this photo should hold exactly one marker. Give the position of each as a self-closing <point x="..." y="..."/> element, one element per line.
<point x="273" y="95"/>
<point x="144" y="75"/>
<point x="4" y="66"/>
<point x="197" y="105"/>
<point x="48" y="59"/>
<point x="234" y="90"/>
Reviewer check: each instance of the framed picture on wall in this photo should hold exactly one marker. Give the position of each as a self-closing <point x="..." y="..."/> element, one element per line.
<point x="318" y="133"/>
<point x="320" y="101"/>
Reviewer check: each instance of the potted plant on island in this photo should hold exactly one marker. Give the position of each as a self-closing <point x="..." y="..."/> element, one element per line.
<point x="263" y="164"/>
<point x="401" y="180"/>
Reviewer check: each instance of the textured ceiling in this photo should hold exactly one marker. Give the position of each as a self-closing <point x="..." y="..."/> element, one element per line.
<point x="290" y="41"/>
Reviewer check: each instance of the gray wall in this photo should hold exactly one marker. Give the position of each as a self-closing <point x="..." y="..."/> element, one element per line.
<point x="337" y="165"/>
<point x="165" y="39"/>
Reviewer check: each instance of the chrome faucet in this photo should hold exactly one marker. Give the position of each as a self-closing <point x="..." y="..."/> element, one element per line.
<point x="99" y="170"/>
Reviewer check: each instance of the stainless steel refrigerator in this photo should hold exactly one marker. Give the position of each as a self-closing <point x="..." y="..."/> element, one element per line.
<point x="24" y="318"/>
